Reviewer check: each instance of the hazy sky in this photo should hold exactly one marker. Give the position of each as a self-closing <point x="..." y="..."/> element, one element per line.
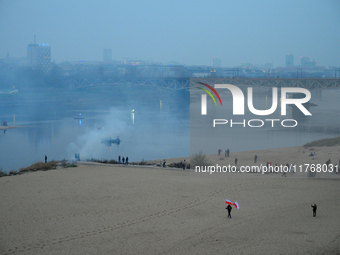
<point x="188" y="31"/>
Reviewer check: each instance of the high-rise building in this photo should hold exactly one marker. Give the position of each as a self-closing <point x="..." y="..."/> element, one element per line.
<point x="107" y="55"/>
<point x="216" y="62"/>
<point x="289" y="60"/>
<point x="306" y="62"/>
<point x="39" y="56"/>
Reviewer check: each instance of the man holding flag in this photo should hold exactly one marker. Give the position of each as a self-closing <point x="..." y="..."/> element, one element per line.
<point x="229" y="208"/>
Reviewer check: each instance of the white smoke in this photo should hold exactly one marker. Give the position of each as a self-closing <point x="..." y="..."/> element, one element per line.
<point x="89" y="145"/>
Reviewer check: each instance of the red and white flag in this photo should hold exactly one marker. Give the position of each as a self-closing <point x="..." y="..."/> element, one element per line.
<point x="230" y="203"/>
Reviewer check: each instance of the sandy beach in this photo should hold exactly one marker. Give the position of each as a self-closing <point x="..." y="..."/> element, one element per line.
<point x="116" y="209"/>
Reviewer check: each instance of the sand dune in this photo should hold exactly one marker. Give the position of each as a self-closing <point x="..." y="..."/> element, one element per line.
<point x="110" y="209"/>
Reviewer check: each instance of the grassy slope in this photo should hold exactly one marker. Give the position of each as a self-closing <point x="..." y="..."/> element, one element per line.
<point x="324" y="142"/>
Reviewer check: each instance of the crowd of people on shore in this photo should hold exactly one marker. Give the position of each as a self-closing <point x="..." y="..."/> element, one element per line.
<point x="125" y="161"/>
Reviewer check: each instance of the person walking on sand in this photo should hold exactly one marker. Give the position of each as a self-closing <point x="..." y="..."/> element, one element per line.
<point x="228" y="153"/>
<point x="164" y="163"/>
<point x="229" y="210"/>
<point x="119" y="158"/>
<point x="328" y="162"/>
<point x="45" y="159"/>
<point x="183" y="163"/>
<point x="314" y="209"/>
<point x="255" y="159"/>
<point x="123" y="159"/>
<point x="127" y="160"/>
<point x="236" y="161"/>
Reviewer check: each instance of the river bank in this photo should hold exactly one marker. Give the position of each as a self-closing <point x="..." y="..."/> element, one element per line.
<point x="106" y="209"/>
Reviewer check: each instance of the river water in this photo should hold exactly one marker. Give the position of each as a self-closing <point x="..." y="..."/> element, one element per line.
<point x="324" y="123"/>
<point x="151" y="124"/>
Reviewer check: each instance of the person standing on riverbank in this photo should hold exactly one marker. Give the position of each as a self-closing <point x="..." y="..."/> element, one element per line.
<point x="229" y="210"/>
<point x="314" y="209"/>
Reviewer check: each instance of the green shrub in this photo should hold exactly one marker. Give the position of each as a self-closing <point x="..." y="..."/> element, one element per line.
<point x="324" y="142"/>
<point x="104" y="161"/>
<point x="176" y="164"/>
<point x="199" y="160"/>
<point x="12" y="172"/>
<point x="2" y="173"/>
<point x="73" y="164"/>
<point x="39" y="166"/>
<point x="142" y="163"/>
<point x="64" y="163"/>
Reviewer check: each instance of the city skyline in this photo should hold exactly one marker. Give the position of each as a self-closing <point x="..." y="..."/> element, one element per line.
<point x="216" y="62"/>
<point x="186" y="32"/>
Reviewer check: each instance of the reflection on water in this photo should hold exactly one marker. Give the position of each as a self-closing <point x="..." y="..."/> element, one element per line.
<point x="149" y="125"/>
<point x="146" y="131"/>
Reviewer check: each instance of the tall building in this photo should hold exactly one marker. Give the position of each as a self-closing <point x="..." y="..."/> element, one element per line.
<point x="306" y="62"/>
<point x="39" y="56"/>
<point x="216" y="62"/>
<point x="289" y="60"/>
<point x="107" y="55"/>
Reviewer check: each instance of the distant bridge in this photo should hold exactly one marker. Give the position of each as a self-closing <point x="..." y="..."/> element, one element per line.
<point x="307" y="83"/>
<point x="171" y="84"/>
<point x="184" y="83"/>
